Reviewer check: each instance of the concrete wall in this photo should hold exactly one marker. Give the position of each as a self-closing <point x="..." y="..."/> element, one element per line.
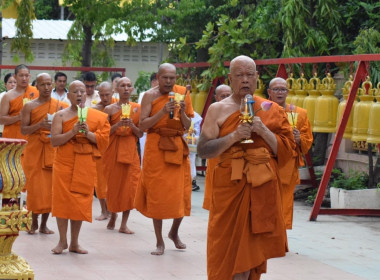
<point x="141" y="57"/>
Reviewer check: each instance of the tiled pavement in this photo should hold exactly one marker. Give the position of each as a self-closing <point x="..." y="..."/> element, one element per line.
<point x="334" y="247"/>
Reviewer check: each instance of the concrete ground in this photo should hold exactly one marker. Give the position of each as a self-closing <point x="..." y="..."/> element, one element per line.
<point x="334" y="247"/>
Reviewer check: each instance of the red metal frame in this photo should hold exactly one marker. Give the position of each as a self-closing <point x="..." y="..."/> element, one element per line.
<point x="360" y="75"/>
<point x="69" y="68"/>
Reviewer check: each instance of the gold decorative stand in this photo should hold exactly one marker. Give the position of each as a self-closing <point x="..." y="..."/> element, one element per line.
<point x="13" y="218"/>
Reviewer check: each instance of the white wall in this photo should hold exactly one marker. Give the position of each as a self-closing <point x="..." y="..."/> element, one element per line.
<point x="141" y="57"/>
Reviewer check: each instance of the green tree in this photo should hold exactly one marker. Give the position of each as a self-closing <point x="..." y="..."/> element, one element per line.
<point x="90" y="37"/>
<point x="47" y="9"/>
<point x="22" y="41"/>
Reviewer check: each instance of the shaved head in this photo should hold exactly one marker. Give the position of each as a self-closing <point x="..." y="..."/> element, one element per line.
<point x="240" y="59"/>
<point x="74" y="84"/>
<point x="275" y="80"/>
<point x="42" y="76"/>
<point x="165" y="67"/>
<point x="105" y="85"/>
<point x="222" y="92"/>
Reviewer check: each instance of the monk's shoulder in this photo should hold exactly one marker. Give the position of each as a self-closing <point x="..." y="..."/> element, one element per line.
<point x="152" y="94"/>
<point x="97" y="113"/>
<point x="110" y="109"/>
<point x="12" y="94"/>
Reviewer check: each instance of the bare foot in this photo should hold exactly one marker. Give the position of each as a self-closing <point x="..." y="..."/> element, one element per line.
<point x="77" y="249"/>
<point x="46" y="230"/>
<point x="59" y="248"/>
<point x="33" y="229"/>
<point x="102" y="217"/>
<point x="126" y="230"/>
<point x="159" y="251"/>
<point x="177" y="242"/>
<point x="111" y="223"/>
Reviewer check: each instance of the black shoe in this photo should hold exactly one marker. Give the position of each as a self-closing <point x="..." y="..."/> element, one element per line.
<point x="195" y="186"/>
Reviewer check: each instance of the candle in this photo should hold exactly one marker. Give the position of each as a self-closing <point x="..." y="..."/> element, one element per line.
<point x="246" y="107"/>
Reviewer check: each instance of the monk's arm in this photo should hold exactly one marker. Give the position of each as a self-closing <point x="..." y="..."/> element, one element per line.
<point x="136" y="131"/>
<point x="57" y="137"/>
<point x="91" y="136"/>
<point x="262" y="130"/>
<point x="209" y="145"/>
<point x="186" y="121"/>
<point x="147" y="122"/>
<point x="4" y="111"/>
<point x="26" y="127"/>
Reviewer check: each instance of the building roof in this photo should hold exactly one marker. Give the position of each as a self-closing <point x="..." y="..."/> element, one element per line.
<point x="48" y="29"/>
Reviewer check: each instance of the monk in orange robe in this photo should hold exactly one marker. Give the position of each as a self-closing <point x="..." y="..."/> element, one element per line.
<point x="105" y="94"/>
<point x="121" y="160"/>
<point x="164" y="191"/>
<point x="303" y="136"/>
<point x="14" y="100"/>
<point x="221" y="92"/>
<point x="79" y="142"/>
<point x="38" y="155"/>
<point x="246" y="226"/>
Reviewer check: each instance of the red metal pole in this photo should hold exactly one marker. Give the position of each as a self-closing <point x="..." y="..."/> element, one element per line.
<point x="210" y="95"/>
<point x="360" y="75"/>
<point x="281" y="71"/>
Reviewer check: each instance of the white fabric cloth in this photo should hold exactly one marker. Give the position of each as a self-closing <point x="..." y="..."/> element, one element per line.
<point x="1" y="97"/>
<point x="93" y="100"/>
<point x="141" y="95"/>
<point x="62" y="97"/>
<point x="197" y="120"/>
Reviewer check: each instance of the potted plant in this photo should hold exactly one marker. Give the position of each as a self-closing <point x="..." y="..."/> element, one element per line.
<point x="351" y="191"/>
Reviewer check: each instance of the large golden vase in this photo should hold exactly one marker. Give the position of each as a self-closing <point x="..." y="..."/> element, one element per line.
<point x="13" y="218"/>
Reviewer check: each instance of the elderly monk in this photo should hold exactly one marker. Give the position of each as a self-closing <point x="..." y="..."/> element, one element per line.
<point x="14" y="100"/>
<point x="303" y="136"/>
<point x="121" y="160"/>
<point x="246" y="226"/>
<point x="36" y="117"/>
<point x="105" y="94"/>
<point x="79" y="144"/>
<point x="221" y="92"/>
<point x="165" y="187"/>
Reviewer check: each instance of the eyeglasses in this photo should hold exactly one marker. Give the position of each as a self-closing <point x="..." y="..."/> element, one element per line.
<point x="280" y="90"/>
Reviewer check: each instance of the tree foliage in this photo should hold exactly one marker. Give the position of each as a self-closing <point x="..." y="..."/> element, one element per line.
<point x="22" y="41"/>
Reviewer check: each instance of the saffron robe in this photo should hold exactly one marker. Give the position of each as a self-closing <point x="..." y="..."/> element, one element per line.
<point x="211" y="163"/>
<point x="164" y="190"/>
<point x="289" y="173"/>
<point x="246" y="225"/>
<point x="122" y="164"/>
<point x="38" y="160"/>
<point x="15" y="105"/>
<point x="74" y="169"/>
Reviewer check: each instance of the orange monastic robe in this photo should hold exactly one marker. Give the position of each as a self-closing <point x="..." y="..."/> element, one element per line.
<point x="289" y="173"/>
<point x="15" y="105"/>
<point x="246" y="225"/>
<point x="122" y="164"/>
<point x="165" y="186"/>
<point x="74" y="169"/>
<point x="100" y="180"/>
<point x="211" y="163"/>
<point x="38" y="160"/>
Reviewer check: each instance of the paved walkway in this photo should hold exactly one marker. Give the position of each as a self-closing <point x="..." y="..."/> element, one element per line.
<point x="334" y="247"/>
